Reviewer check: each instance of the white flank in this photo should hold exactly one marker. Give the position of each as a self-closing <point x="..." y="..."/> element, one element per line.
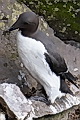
<point x="32" y="55"/>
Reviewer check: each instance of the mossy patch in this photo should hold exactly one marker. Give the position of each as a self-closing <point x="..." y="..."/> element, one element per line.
<point x="59" y="14"/>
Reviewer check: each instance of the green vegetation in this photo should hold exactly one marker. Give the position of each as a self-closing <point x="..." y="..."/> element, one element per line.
<point x="62" y="15"/>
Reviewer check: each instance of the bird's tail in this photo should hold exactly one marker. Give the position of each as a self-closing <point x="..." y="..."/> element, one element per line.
<point x="69" y="77"/>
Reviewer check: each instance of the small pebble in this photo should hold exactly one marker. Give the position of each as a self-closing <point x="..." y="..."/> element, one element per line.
<point x="45" y="25"/>
<point x="19" y="77"/>
<point x="75" y="69"/>
<point x="21" y="64"/>
<point x="76" y="32"/>
<point x="68" y="25"/>
<point x="47" y="34"/>
<point x="21" y="73"/>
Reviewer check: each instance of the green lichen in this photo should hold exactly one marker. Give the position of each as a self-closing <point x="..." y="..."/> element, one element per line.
<point x="14" y="56"/>
<point x="2" y="15"/>
<point x="17" y="9"/>
<point x="2" y="24"/>
<point x="58" y="14"/>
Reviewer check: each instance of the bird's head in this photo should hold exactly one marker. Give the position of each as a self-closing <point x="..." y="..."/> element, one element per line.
<point x="27" y="22"/>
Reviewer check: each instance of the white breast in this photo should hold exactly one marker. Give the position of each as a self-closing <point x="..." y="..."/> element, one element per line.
<point x="32" y="55"/>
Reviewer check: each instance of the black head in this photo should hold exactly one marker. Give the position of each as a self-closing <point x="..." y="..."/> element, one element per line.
<point x="27" y="22"/>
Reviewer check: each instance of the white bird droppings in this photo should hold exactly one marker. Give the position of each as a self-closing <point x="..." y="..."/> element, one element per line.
<point x="2" y="116"/>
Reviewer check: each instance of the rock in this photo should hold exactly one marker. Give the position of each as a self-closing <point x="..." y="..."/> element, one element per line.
<point x="18" y="107"/>
<point x="15" y="103"/>
<point x="13" y="73"/>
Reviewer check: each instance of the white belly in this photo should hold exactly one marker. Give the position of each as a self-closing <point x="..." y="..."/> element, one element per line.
<point x="32" y="55"/>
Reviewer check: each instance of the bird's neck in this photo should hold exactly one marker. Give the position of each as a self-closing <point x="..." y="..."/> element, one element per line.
<point x="27" y="33"/>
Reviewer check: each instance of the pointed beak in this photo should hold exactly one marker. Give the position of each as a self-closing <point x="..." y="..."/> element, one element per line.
<point x="12" y="28"/>
<point x="15" y="26"/>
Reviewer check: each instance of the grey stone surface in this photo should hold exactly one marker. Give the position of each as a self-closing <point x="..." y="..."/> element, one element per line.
<point x="18" y="107"/>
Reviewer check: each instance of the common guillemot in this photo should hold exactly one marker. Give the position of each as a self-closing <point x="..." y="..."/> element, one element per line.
<point x="39" y="56"/>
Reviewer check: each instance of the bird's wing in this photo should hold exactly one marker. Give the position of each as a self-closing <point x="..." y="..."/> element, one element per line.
<point x="58" y="66"/>
<point x="56" y="63"/>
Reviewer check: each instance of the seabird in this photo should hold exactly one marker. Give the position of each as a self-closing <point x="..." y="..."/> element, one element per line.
<point x="39" y="56"/>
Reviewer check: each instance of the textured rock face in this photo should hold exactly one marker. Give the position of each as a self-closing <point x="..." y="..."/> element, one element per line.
<point x="16" y="105"/>
<point x="12" y="70"/>
<point x="15" y="100"/>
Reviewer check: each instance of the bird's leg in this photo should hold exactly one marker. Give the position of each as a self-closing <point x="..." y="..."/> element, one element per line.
<point x="53" y="93"/>
<point x="41" y="96"/>
<point x="41" y="99"/>
<point x="64" y="87"/>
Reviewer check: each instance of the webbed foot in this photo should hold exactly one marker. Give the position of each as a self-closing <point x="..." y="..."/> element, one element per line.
<point x="41" y="99"/>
